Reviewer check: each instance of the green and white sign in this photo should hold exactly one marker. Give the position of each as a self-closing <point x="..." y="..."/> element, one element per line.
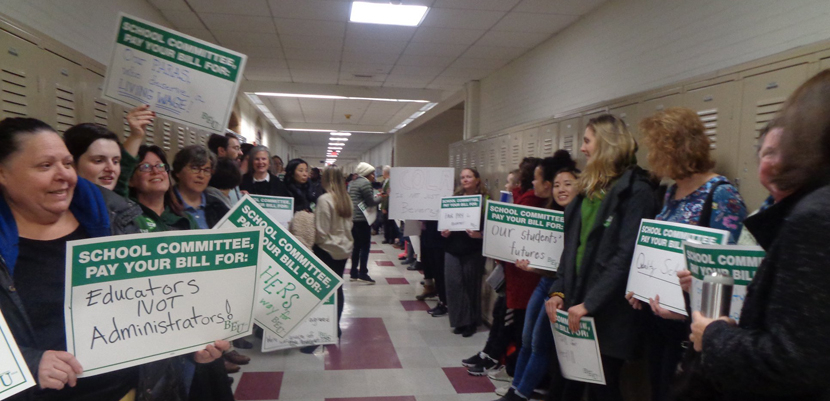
<point x="578" y="352"/>
<point x="320" y="328"/>
<point x="291" y="281"/>
<point x="460" y="213"/>
<point x="133" y="299"/>
<point x="182" y="78"/>
<point x="369" y="212"/>
<point x="738" y="262"/>
<point x="281" y="208"/>
<point x="514" y="232"/>
<point x="14" y="374"/>
<point x="658" y="256"/>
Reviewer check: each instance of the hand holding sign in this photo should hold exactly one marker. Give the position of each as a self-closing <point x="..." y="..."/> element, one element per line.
<point x="58" y="369"/>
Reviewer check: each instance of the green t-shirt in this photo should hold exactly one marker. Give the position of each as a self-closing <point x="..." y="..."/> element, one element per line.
<point x="589" y="210"/>
<point x="150" y="222"/>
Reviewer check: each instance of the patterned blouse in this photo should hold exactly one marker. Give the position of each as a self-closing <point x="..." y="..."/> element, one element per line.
<point x="728" y="209"/>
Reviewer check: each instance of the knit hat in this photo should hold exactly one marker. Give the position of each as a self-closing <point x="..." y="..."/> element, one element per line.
<point x="363" y="169"/>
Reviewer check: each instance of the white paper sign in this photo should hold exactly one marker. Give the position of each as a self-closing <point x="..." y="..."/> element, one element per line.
<point x="658" y="256"/>
<point x="460" y="213"/>
<point x="370" y="213"/>
<point x="133" y="299"/>
<point x="281" y="208"/>
<point x="320" y="328"/>
<point x="738" y="262"/>
<point x="291" y="281"/>
<point x="516" y="232"/>
<point x="578" y="352"/>
<point x="182" y="78"/>
<point x="14" y="374"/>
<point x="416" y="192"/>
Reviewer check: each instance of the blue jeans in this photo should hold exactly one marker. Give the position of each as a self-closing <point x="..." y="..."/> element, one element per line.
<point x="537" y="340"/>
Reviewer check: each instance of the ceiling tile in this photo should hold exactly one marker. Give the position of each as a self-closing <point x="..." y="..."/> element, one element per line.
<point x="434" y="49"/>
<point x="426" y="61"/>
<point x="374" y="45"/>
<point x="359" y="83"/>
<point x="238" y="7"/>
<point x="365" y="57"/>
<point x="512" y="39"/>
<point x="494" y="52"/>
<point x="233" y="39"/>
<point x="310" y="54"/>
<point x="311" y="9"/>
<point x="183" y="19"/>
<point x="383" y="32"/>
<point x="537" y="23"/>
<point x="450" y="81"/>
<point x="374" y="119"/>
<point x="445" y="87"/>
<point x="404" y="84"/>
<point x="310" y="27"/>
<point x="448" y="35"/>
<point x="312" y="42"/>
<point x="178" y="5"/>
<point x="267" y="74"/>
<point x="350" y="76"/>
<point x="366" y="68"/>
<point x="203" y="34"/>
<point x="262" y="62"/>
<point x="462" y="19"/>
<point x="493" y="5"/>
<point x="468" y="74"/>
<point x="260" y="51"/>
<point x="417" y="70"/>
<point x="385" y="107"/>
<point x="324" y="65"/>
<point x="314" y="77"/>
<point x="565" y="7"/>
<point x="479" y="63"/>
<point x="241" y="23"/>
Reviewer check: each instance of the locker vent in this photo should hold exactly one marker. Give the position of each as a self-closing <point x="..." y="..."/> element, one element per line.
<point x="482" y="159"/>
<point x="179" y="136"/>
<point x="568" y="144"/>
<point x="150" y="134"/>
<point x="193" y="138"/>
<point x="101" y="113"/>
<point x="493" y="159"/>
<point x="515" y="154"/>
<point x="766" y="110"/>
<point x="13" y="86"/>
<point x="464" y="159"/>
<point x="126" y="126"/>
<point x="547" y="147"/>
<point x="473" y="158"/>
<point x="458" y="159"/>
<point x="710" y="122"/>
<point x="65" y="107"/>
<point x="503" y="155"/>
<point x="531" y="149"/>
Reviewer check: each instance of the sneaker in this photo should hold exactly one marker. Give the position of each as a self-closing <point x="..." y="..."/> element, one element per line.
<point x="469" y="331"/>
<point x="353" y="278"/>
<point x="501" y="391"/>
<point x="486" y="366"/>
<point x="428" y="292"/>
<point x="366" y="279"/>
<point x="500" y="375"/>
<point x="472" y="361"/>
<point x="408" y="262"/>
<point x="438" y="311"/>
<point x="459" y="329"/>
<point x="412" y="267"/>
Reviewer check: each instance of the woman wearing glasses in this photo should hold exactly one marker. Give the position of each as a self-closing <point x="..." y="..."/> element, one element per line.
<point x="192" y="169"/>
<point x="150" y="187"/>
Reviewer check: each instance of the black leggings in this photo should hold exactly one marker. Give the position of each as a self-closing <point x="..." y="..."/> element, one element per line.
<point x="338" y="266"/>
<point x="360" y="255"/>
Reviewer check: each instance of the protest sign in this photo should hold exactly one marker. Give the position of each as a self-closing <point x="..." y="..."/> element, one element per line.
<point x="14" y="374"/>
<point x="133" y="299"/>
<point x="658" y="256"/>
<point x="182" y="78"/>
<point x="515" y="232"/>
<point x="578" y="352"/>
<point x="738" y="262"/>
<point x="415" y="192"/>
<point x="370" y="213"/>
<point x="291" y="282"/>
<point x="460" y="213"/>
<point x="281" y="208"/>
<point x="319" y="328"/>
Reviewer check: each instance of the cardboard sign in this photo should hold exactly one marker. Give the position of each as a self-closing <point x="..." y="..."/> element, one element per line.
<point x="370" y="213"/>
<point x="460" y="213"/>
<point x="515" y="232"/>
<point x="182" y="78"/>
<point x="291" y="281"/>
<point x="578" y="352"/>
<point x="281" y="208"/>
<point x="319" y="328"/>
<point x="658" y="256"/>
<point x="415" y="192"/>
<point x="14" y="374"/>
<point x="133" y="299"/>
<point x="738" y="262"/>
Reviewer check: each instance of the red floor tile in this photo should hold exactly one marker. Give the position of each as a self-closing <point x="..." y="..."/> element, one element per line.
<point x="402" y="398"/>
<point x="384" y="263"/>
<point x="259" y="386"/>
<point x="365" y="344"/>
<point x="464" y="383"/>
<point x="376" y="251"/>
<point x="410" y="306"/>
<point x="396" y="280"/>
<point x="374" y="243"/>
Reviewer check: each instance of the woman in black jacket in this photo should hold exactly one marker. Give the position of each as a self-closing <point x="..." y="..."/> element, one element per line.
<point x="601" y="227"/>
<point x="297" y="183"/>
<point x="780" y="349"/>
<point x="258" y="180"/>
<point x="192" y="168"/>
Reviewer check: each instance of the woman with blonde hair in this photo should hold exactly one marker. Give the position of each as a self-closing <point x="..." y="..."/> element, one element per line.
<point x="601" y="226"/>
<point x="333" y="241"/>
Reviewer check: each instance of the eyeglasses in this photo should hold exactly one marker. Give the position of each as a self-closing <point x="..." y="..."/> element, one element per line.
<point x="197" y="170"/>
<point x="147" y="167"/>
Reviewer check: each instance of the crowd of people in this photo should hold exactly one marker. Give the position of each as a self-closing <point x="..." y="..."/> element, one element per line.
<point x="88" y="184"/>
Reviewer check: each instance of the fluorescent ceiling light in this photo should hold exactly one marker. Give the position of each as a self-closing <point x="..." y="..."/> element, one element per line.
<point x="387" y="14"/>
<point x="336" y="139"/>
<point x="341" y="134"/>
<point x="308" y="130"/>
<point x="335" y="97"/>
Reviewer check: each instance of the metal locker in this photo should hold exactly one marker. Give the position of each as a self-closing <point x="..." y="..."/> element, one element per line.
<point x="548" y="141"/>
<point x="530" y="142"/>
<point x="569" y="137"/>
<point x="516" y="154"/>
<point x="503" y="152"/>
<point x="580" y="158"/>
<point x="763" y="95"/>
<point x="630" y="115"/>
<point x="62" y="92"/>
<point x="465" y="157"/>
<point x="451" y="161"/>
<point x="18" y="78"/>
<point x="647" y="109"/>
<point x="473" y="155"/>
<point x="94" y="110"/>
<point x="716" y="106"/>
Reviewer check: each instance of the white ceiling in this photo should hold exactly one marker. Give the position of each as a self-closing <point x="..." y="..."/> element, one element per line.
<point x="290" y="42"/>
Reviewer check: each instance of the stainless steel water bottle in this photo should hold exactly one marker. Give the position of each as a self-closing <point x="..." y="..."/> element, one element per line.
<point x="716" y="298"/>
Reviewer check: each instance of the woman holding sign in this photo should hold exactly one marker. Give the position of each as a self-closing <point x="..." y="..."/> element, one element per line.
<point x="257" y="179"/>
<point x="464" y="264"/>
<point x="43" y="205"/>
<point x="601" y="227"/>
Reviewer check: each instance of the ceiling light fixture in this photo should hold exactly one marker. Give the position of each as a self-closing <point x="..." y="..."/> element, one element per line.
<point x="336" y="139"/>
<point x="335" y="97"/>
<point x="309" y="130"/>
<point x="341" y="134"/>
<point x="387" y="14"/>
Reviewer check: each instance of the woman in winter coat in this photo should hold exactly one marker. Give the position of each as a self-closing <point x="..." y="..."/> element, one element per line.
<point x="362" y="195"/>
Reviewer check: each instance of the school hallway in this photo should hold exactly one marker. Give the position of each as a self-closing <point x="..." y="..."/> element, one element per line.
<point x="391" y="349"/>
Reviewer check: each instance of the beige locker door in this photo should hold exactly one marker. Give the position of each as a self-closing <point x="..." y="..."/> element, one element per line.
<point x="548" y="141"/>
<point x="473" y="156"/>
<point x="19" y="78"/>
<point x="530" y="142"/>
<point x="451" y="161"/>
<point x="465" y="157"/>
<point x="647" y="109"/>
<point x="493" y="170"/>
<point x="716" y="106"/>
<point x="503" y="152"/>
<point x="516" y="152"/>
<point x="631" y="116"/>
<point x="569" y="138"/>
<point x="763" y="95"/>
<point x="63" y="91"/>
<point x="95" y="110"/>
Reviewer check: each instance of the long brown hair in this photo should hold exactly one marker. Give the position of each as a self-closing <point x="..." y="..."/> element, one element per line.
<point x="333" y="183"/>
<point x="480" y="189"/>
<point x="615" y="149"/>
